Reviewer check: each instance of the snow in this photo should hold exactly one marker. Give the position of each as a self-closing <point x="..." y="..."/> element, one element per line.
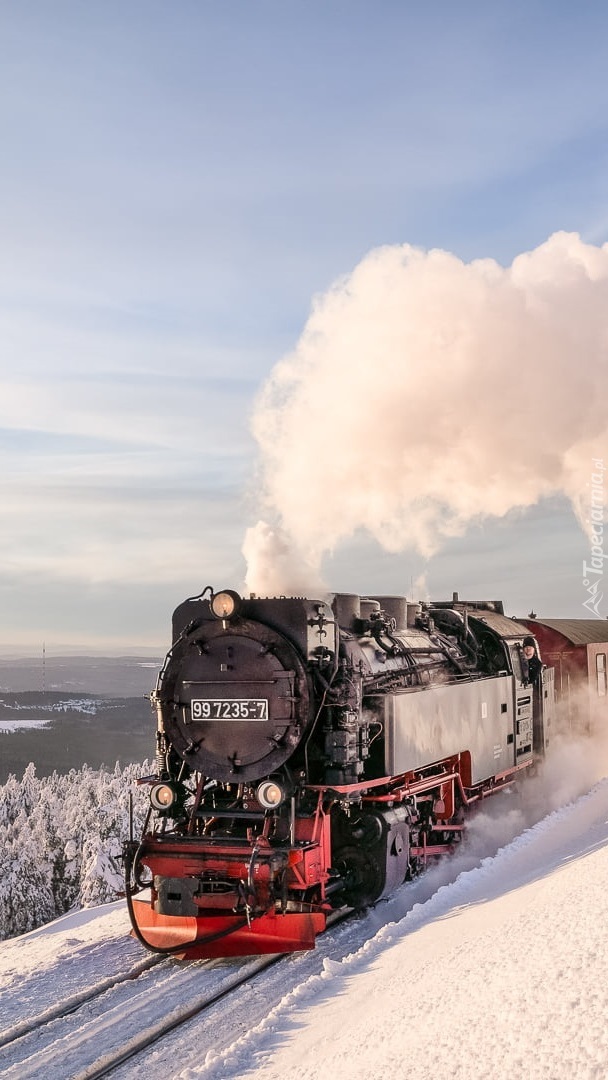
<point x="85" y="705"/>
<point x="499" y="972"/>
<point x="22" y="725"/>
<point x="502" y="973"/>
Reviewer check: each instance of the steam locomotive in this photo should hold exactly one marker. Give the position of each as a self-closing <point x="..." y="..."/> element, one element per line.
<point x="314" y="754"/>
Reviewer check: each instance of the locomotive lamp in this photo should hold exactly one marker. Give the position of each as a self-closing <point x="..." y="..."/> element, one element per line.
<point x="225" y="604"/>
<point x="270" y="794"/>
<point x="165" y="797"/>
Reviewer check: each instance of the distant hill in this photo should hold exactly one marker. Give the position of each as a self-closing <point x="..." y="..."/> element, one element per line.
<point x="120" y="676"/>
<point x="59" y="731"/>
<point x="75" y="710"/>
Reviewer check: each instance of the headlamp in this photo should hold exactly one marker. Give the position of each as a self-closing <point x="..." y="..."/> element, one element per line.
<point x="270" y="794"/>
<point x="225" y="604"/>
<point x="163" y="797"/>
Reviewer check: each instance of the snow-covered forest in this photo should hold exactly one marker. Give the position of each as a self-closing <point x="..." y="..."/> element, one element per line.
<point x="62" y="840"/>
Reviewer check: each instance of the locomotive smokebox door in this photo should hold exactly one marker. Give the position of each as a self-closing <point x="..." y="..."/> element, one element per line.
<point x="235" y="701"/>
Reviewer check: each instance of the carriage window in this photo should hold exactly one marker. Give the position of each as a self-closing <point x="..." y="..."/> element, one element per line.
<point x="600" y="667"/>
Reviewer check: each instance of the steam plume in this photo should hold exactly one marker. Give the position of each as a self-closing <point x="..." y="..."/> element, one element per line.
<point x="425" y="393"/>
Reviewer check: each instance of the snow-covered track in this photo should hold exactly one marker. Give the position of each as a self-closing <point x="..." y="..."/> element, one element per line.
<point x="125" y="1016"/>
<point x="105" y="1064"/>
<point x="75" y="1001"/>
<point x="64" y="1042"/>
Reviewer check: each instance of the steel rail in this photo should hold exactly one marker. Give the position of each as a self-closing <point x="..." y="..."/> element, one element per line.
<point x="74" y="1002"/>
<point x="107" y="1063"/>
<point x="80" y="1054"/>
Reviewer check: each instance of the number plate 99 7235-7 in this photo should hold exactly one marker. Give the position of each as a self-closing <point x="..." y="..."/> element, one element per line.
<point x="229" y="709"/>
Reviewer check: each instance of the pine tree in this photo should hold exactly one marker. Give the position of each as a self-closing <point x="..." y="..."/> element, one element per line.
<point x="62" y="842"/>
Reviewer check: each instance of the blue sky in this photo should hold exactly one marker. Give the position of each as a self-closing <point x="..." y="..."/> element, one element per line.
<point x="178" y="182"/>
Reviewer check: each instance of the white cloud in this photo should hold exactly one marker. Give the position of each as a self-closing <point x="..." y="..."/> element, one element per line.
<point x="75" y="534"/>
<point x="171" y="413"/>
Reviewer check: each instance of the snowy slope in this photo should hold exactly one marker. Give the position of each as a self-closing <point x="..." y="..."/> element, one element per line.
<point x="502" y="972"/>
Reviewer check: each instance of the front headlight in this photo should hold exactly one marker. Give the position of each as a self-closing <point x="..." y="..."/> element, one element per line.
<point x="163" y="797"/>
<point x="225" y="604"/>
<point x="270" y="794"/>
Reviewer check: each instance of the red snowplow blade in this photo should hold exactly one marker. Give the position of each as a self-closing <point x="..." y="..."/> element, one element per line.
<point x="266" y="934"/>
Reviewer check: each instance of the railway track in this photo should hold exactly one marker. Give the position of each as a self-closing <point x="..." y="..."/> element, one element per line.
<point x="124" y="1019"/>
<point x="72" y="1003"/>
<point x="125" y="1016"/>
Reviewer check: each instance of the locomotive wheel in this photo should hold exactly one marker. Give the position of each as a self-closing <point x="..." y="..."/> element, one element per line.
<point x="362" y="876"/>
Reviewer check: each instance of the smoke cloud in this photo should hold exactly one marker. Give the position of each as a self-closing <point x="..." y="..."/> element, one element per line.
<point x="426" y="393"/>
